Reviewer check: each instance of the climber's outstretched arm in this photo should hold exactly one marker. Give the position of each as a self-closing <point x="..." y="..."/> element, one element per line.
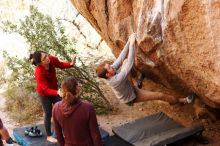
<point x="117" y="63"/>
<point x="126" y="67"/>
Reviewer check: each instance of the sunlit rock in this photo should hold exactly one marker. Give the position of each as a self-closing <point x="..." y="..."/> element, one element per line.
<point x="178" y="40"/>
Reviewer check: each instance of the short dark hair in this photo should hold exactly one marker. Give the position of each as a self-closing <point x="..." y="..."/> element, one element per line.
<point x="36" y="56"/>
<point x="100" y="69"/>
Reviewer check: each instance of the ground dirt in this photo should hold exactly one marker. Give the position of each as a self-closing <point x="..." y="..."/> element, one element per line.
<point x="183" y="114"/>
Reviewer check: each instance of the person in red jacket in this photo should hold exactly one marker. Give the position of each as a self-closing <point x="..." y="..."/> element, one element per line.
<point x="45" y="74"/>
<point x="75" y="120"/>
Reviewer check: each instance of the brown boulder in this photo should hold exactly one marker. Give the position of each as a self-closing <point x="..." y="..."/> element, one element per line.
<point x="178" y="40"/>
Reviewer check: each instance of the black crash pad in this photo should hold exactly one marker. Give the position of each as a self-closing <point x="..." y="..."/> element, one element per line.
<point x="154" y="130"/>
<point x="116" y="141"/>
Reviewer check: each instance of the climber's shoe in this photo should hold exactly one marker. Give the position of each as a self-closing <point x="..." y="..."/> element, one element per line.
<point x="140" y="81"/>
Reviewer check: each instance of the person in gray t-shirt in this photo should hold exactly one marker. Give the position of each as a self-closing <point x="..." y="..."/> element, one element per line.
<point x="122" y="87"/>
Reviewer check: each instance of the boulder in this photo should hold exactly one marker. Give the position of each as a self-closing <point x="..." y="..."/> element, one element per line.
<point x="178" y="43"/>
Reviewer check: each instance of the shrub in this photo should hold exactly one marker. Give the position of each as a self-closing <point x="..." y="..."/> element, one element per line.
<point x="23" y="105"/>
<point x="43" y="33"/>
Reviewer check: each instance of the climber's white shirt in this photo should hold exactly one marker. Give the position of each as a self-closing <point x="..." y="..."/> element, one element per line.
<point x="120" y="84"/>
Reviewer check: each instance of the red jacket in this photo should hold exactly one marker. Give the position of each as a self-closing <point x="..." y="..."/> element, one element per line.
<point x="76" y="125"/>
<point x="46" y="79"/>
<point x="1" y="126"/>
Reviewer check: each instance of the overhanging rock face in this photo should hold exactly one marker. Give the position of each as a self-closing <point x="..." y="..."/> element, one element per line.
<point x="178" y="41"/>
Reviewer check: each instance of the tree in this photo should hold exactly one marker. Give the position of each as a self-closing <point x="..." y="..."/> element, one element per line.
<point x="43" y="33"/>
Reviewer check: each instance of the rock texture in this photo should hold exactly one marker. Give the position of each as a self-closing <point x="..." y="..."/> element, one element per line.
<point x="178" y="41"/>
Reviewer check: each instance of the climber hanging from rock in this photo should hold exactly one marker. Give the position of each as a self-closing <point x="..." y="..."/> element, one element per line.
<point x="125" y="91"/>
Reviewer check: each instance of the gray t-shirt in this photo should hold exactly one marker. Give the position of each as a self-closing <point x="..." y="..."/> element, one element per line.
<point x="120" y="84"/>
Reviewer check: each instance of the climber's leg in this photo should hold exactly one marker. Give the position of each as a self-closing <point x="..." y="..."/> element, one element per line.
<point x="144" y="95"/>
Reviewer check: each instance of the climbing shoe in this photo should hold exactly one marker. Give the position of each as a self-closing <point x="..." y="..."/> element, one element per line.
<point x="140" y="81"/>
<point x="190" y="98"/>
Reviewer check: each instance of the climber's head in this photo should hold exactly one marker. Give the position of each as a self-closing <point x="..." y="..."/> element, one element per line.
<point x="105" y="70"/>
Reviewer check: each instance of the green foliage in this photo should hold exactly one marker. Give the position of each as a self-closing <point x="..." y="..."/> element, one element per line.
<point x="43" y="33"/>
<point x="24" y="105"/>
<point x="2" y="74"/>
